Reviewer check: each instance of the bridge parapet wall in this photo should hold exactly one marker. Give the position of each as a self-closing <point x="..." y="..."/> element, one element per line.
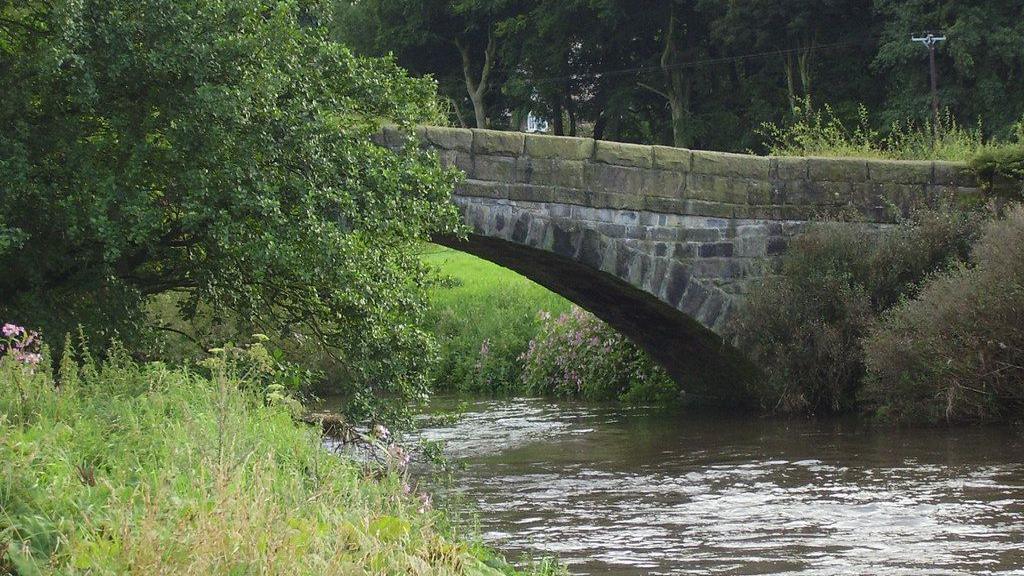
<point x="599" y="174"/>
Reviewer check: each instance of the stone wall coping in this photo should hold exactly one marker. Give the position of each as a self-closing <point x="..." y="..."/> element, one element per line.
<point x="584" y="171"/>
<point x="546" y="146"/>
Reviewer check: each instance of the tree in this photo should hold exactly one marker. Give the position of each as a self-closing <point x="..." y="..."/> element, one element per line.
<point x="220" y="149"/>
<point x="981" y="64"/>
<point x="457" y="41"/>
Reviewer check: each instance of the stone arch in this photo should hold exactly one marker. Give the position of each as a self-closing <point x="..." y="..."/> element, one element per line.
<point x="574" y="258"/>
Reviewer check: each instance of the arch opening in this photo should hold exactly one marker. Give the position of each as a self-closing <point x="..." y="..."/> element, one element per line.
<point x="708" y="368"/>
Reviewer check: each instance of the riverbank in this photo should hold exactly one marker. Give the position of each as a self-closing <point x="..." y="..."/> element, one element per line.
<point x="140" y="468"/>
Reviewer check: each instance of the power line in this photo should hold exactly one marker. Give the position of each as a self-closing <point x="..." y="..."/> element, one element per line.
<point x="929" y="41"/>
<point x="700" y="63"/>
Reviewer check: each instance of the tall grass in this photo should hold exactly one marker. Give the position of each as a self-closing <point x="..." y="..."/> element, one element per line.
<point x="141" y="469"/>
<point x="484" y="317"/>
<point x="821" y="132"/>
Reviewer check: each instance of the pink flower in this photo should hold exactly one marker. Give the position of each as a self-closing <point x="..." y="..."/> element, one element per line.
<point x="424" y="502"/>
<point x="401" y="456"/>
<point x="10" y="330"/>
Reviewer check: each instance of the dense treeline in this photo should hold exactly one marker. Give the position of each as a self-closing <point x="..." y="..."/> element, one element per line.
<point x="700" y="73"/>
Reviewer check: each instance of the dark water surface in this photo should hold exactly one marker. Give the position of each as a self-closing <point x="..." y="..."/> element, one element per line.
<point x="613" y="491"/>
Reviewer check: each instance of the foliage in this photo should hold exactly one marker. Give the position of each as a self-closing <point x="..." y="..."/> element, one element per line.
<point x="804" y="325"/>
<point x="221" y="149"/>
<point x="1001" y="169"/>
<point x="956" y="351"/>
<point x="707" y="73"/>
<point x="820" y="132"/>
<point x="978" y="64"/>
<point x="138" y="468"/>
<point x="576" y="355"/>
<point x="483" y="317"/>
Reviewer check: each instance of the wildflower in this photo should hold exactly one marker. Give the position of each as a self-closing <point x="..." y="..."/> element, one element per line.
<point x="425" y="501"/>
<point x="400" y="456"/>
<point x="380" y="431"/>
<point x="10" y="330"/>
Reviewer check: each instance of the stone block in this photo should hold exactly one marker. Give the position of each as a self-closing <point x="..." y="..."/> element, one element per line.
<point x="531" y="193"/>
<point x="900" y="172"/>
<point x="659" y="204"/>
<point x="716" y="188"/>
<point x="615" y="201"/>
<point x="730" y="165"/>
<point x="621" y="154"/>
<point x="456" y="158"/>
<point x="543" y="146"/>
<point x="494" y="168"/>
<point x="551" y="172"/>
<point x="715" y="250"/>
<point x="954" y="174"/>
<point x="758" y="192"/>
<point x="615" y="179"/>
<point x="521" y="227"/>
<point x="678" y="280"/>
<point x="574" y="196"/>
<point x="665" y="183"/>
<point x="592" y="248"/>
<point x="709" y="209"/>
<point x="478" y="189"/>
<point x="837" y="169"/>
<point x="449" y="138"/>
<point x="497" y="142"/>
<point x="788" y="168"/>
<point x="751" y="247"/>
<point x="565" y="238"/>
<point x="675" y="159"/>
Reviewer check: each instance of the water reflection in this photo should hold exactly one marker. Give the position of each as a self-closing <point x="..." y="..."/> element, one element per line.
<point x="619" y="492"/>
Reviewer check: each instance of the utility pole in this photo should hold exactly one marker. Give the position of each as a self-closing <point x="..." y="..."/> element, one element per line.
<point x="929" y="41"/>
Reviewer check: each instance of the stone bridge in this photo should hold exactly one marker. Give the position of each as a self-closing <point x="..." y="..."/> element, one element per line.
<point x="662" y="243"/>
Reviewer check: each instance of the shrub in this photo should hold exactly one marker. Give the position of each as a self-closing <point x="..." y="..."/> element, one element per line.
<point x="804" y="325"/>
<point x="1001" y="171"/>
<point x="576" y="355"/>
<point x="132" y="468"/>
<point x="956" y="351"/>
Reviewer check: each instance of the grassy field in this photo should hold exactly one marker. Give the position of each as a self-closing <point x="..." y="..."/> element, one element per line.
<point x="484" y="317"/>
<point x="130" y="468"/>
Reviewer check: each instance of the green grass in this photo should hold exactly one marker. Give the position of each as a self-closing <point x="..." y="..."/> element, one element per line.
<point x="820" y="132"/>
<point x="484" y="318"/>
<point x="142" y="469"/>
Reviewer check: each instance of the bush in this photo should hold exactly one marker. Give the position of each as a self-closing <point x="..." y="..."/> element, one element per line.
<point x="956" y="352"/>
<point x="1001" y="171"/>
<point x="132" y="468"/>
<point x="576" y="355"/>
<point x="804" y="325"/>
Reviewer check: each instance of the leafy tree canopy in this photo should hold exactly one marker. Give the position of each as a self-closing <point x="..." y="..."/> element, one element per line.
<point x="704" y="73"/>
<point x="219" y="149"/>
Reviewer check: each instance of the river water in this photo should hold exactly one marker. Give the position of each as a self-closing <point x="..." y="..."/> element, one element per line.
<point x="616" y="491"/>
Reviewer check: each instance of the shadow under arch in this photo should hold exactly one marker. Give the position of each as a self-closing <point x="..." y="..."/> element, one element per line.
<point x="708" y="368"/>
